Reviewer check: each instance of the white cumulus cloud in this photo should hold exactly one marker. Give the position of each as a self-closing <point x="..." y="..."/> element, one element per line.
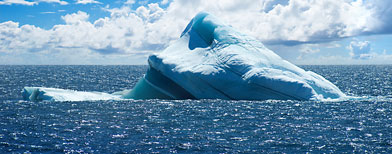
<point x="75" y="18"/>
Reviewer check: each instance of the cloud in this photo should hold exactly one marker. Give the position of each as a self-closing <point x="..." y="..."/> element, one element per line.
<point x="333" y="44"/>
<point x="48" y="12"/>
<point x="281" y="22"/>
<point x="360" y="49"/>
<point x="75" y="18"/>
<point x="268" y="5"/>
<point x="381" y="10"/>
<point x="164" y="2"/>
<point x="88" y="2"/>
<point x="54" y="1"/>
<point x="129" y="2"/>
<point x="307" y="49"/>
<point x="19" y="2"/>
<point x="24" y="2"/>
<point x="288" y="22"/>
<point x="150" y="27"/>
<point x="121" y="33"/>
<point x="377" y="59"/>
<point x="291" y="22"/>
<point x="15" y="38"/>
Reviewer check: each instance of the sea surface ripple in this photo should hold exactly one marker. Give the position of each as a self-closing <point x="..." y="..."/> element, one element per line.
<point x="192" y="126"/>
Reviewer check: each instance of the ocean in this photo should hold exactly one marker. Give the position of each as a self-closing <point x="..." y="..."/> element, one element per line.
<point x="362" y="125"/>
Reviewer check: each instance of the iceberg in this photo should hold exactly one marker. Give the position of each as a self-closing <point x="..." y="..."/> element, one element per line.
<point x="212" y="60"/>
<point x="55" y="94"/>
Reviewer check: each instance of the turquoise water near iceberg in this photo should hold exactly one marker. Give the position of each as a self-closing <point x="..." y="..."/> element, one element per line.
<point x="191" y="126"/>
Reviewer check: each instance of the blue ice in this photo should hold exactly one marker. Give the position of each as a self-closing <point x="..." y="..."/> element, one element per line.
<point x="212" y="60"/>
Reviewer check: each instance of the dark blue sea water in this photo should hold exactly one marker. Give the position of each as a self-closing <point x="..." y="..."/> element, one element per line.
<point x="191" y="126"/>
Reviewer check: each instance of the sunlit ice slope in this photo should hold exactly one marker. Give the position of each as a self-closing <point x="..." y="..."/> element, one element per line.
<point x="212" y="60"/>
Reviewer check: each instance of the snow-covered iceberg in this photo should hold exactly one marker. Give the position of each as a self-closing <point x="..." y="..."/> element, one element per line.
<point x="214" y="61"/>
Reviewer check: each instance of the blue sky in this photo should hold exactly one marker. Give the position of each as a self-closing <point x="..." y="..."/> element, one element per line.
<point x="127" y="31"/>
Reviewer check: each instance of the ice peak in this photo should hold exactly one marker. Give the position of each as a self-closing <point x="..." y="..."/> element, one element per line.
<point x="201" y="28"/>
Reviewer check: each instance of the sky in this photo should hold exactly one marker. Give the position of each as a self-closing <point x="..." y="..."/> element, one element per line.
<point x="126" y="32"/>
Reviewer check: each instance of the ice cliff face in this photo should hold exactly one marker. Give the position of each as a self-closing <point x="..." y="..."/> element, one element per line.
<point x="214" y="61"/>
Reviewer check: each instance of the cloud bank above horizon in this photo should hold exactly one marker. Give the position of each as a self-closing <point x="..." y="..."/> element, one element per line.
<point x="137" y="31"/>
